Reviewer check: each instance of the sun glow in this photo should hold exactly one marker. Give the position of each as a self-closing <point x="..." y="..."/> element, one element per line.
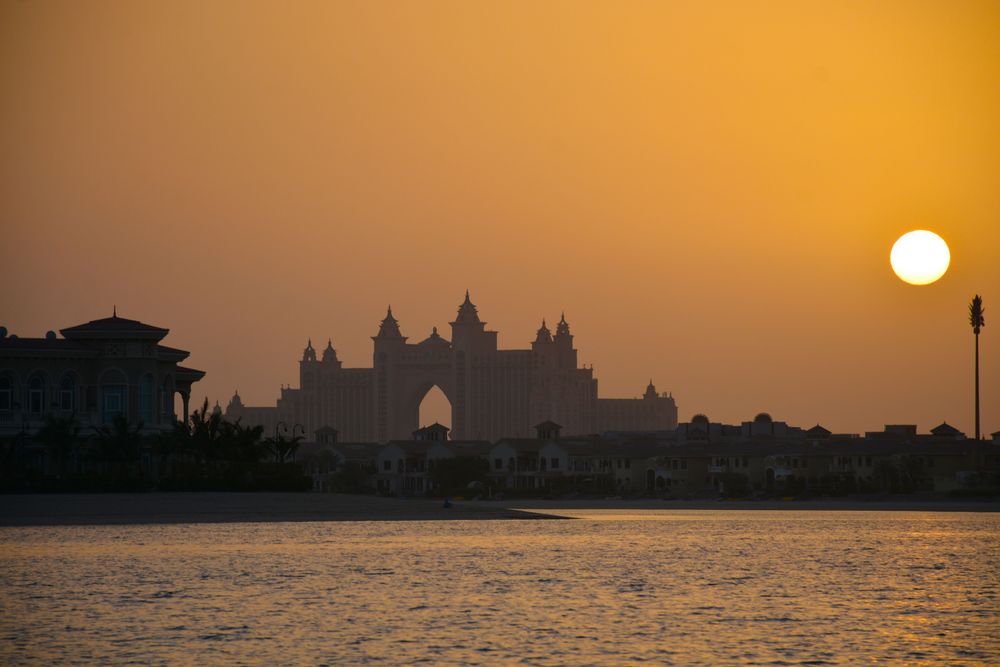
<point x="920" y="257"/>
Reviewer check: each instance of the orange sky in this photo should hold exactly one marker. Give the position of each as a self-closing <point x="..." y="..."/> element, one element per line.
<point x="709" y="190"/>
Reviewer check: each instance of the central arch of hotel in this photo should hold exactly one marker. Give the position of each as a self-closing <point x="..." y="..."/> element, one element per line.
<point x="411" y="380"/>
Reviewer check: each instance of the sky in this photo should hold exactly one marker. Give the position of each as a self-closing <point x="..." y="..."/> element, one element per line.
<point x="709" y="190"/>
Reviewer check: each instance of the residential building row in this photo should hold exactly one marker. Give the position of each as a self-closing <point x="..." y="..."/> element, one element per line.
<point x="698" y="459"/>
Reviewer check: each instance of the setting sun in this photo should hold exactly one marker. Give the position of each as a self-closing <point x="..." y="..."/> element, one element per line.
<point x="920" y="257"/>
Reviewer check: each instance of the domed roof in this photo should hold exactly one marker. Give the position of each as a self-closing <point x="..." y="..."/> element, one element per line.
<point x="467" y="312"/>
<point x="763" y="418"/>
<point x="562" y="328"/>
<point x="114" y="327"/>
<point x="389" y="327"/>
<point x="434" y="340"/>
<point x="543" y="335"/>
<point x="329" y="354"/>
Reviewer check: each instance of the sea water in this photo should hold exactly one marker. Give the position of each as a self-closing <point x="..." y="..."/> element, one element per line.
<point x="662" y="587"/>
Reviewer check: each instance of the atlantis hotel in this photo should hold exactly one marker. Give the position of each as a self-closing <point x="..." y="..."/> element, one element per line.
<point x="493" y="393"/>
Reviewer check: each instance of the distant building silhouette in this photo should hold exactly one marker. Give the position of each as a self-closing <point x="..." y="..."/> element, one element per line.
<point x="96" y="371"/>
<point x="698" y="459"/>
<point x="494" y="393"/>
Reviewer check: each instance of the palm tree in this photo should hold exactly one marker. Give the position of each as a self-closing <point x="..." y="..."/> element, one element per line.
<point x="976" y="320"/>
<point x="119" y="441"/>
<point x="242" y="443"/>
<point x="206" y="433"/>
<point x="61" y="436"/>
<point x="281" y="446"/>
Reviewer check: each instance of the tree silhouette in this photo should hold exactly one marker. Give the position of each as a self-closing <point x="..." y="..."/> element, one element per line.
<point x="61" y="436"/>
<point x="209" y="437"/>
<point x="976" y="320"/>
<point x="242" y="443"/>
<point x="284" y="446"/>
<point x="206" y="434"/>
<point x="119" y="442"/>
<point x="172" y="445"/>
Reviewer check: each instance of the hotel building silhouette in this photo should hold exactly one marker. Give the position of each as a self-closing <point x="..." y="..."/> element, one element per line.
<point x="493" y="393"/>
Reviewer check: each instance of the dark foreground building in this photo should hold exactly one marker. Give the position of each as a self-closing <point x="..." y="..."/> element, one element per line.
<point x="94" y="372"/>
<point x="493" y="393"/>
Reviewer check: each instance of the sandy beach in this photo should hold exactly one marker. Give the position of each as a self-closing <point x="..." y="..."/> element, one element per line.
<point x="140" y="508"/>
<point x="136" y="508"/>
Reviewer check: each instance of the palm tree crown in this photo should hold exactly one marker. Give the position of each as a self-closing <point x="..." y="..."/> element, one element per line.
<point x="976" y="314"/>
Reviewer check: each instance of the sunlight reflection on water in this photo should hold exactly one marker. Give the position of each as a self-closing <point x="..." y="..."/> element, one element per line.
<point x="709" y="587"/>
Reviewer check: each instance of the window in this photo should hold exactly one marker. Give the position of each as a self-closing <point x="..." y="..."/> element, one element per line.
<point x="497" y="464"/>
<point x="6" y="394"/>
<point x="67" y="393"/>
<point x="36" y="395"/>
<point x="555" y="463"/>
<point x="387" y="465"/>
<point x="113" y="403"/>
<point x="146" y="399"/>
<point x="746" y="462"/>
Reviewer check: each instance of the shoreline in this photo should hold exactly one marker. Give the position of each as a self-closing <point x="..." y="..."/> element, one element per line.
<point x="107" y="509"/>
<point x="829" y="505"/>
<point x="97" y="509"/>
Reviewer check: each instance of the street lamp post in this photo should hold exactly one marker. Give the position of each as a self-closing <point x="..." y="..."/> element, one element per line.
<point x="293" y="436"/>
<point x="277" y="439"/>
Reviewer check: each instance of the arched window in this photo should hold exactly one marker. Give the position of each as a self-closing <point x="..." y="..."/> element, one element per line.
<point x="67" y="393"/>
<point x="36" y="395"/>
<point x="6" y="394"/>
<point x="146" y="399"/>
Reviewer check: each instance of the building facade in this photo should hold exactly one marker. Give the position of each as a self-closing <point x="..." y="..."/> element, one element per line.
<point x="494" y="393"/>
<point x="94" y="372"/>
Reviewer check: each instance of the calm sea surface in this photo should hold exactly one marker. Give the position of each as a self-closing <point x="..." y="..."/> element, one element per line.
<point x="664" y="587"/>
